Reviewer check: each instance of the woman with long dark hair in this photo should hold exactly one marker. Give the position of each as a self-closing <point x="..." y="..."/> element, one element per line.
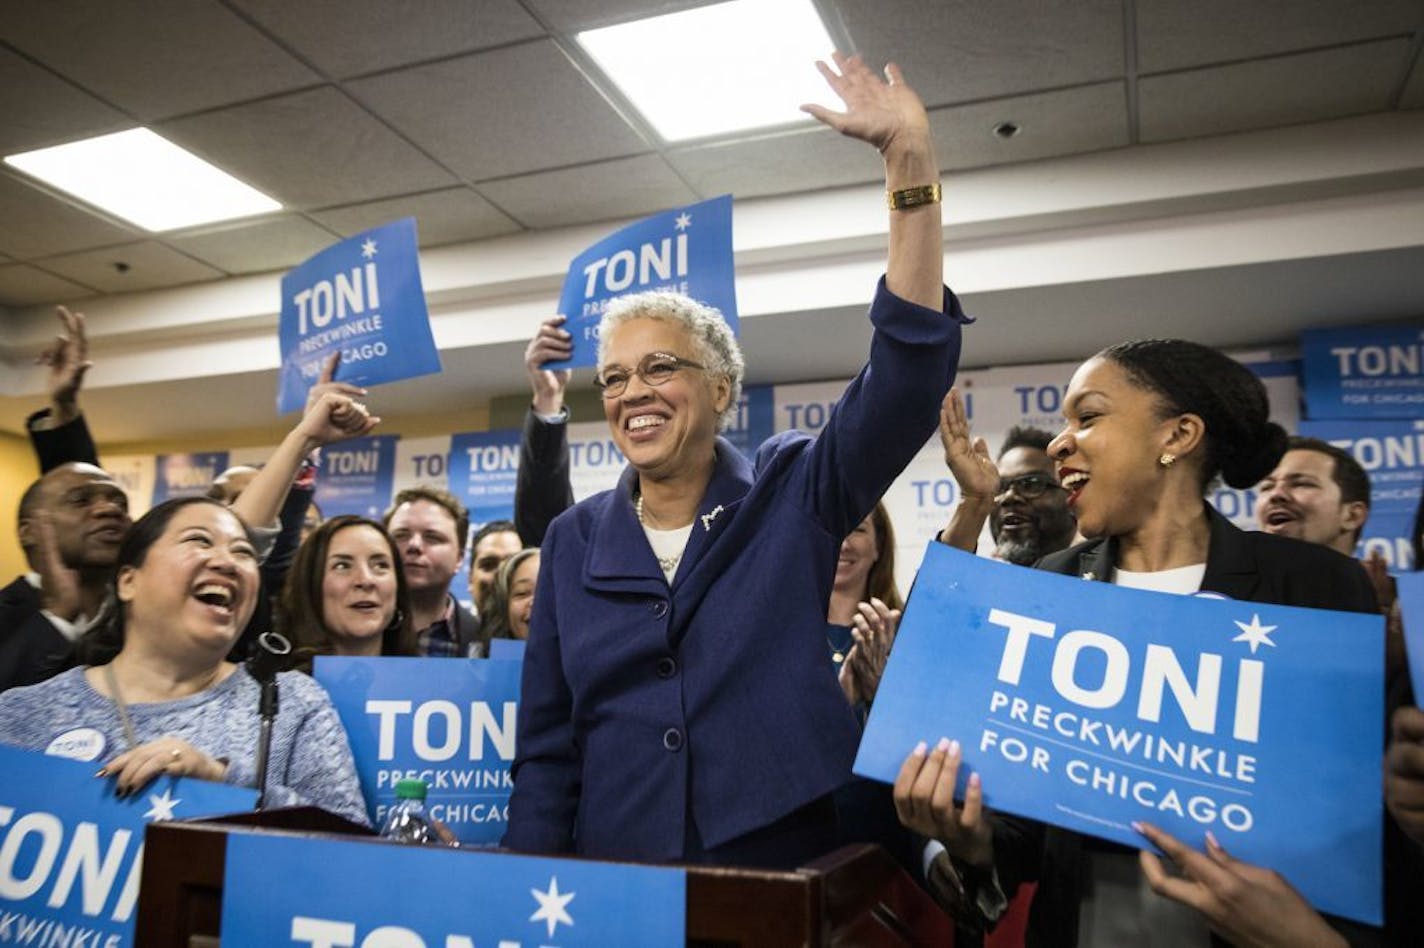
<point x="156" y="686"/>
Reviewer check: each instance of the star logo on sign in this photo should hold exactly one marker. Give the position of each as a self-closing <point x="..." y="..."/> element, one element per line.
<point x="1253" y="633"/>
<point x="552" y="904"/>
<point x="368" y="249"/>
<point x="162" y="808"/>
<point x="683" y="221"/>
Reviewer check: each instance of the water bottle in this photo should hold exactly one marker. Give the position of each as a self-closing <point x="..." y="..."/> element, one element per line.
<point x="407" y="821"/>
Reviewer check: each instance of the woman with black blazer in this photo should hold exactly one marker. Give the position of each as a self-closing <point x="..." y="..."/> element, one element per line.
<point x="1150" y="426"/>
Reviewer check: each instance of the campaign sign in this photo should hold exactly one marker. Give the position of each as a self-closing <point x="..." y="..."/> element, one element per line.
<point x="754" y="421"/>
<point x="1411" y="606"/>
<point x="447" y="722"/>
<point x="1091" y="707"/>
<point x="186" y="475"/>
<point x="1392" y="454"/>
<point x="356" y="477"/>
<point x="513" y="650"/>
<point x="71" y="853"/>
<point x="1363" y="372"/>
<point x="361" y="297"/>
<point x="484" y="467"/>
<point x="371" y="893"/>
<point x="687" y="250"/>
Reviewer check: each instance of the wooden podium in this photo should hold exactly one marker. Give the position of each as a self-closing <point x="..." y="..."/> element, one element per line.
<point x="854" y="896"/>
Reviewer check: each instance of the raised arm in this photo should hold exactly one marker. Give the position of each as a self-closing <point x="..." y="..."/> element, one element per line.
<point x="59" y="433"/>
<point x="974" y="471"/>
<point x="542" y="489"/>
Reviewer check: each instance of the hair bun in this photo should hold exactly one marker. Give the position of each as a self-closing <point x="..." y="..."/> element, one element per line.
<point x="1247" y="467"/>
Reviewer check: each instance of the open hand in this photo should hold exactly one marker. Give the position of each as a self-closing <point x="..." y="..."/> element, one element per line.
<point x="883" y="112"/>
<point x="969" y="461"/>
<point x="68" y="360"/>
<point x="60" y="584"/>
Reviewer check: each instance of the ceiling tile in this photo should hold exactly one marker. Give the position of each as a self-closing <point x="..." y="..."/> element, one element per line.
<point x="1088" y="118"/>
<point x="509" y="111"/>
<point x="23" y="285"/>
<point x="1286" y="90"/>
<point x="442" y="217"/>
<point x="1413" y="97"/>
<point x="310" y="149"/>
<point x="150" y="265"/>
<point x="776" y="164"/>
<point x="962" y="50"/>
<point x="155" y="58"/>
<point x="35" y="224"/>
<point x="273" y="244"/>
<point x="41" y="109"/>
<point x="1176" y="35"/>
<point x="572" y="16"/>
<point x="352" y="37"/>
<point x="627" y="187"/>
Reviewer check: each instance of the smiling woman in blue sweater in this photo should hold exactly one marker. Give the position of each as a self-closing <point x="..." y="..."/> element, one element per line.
<point x="676" y="699"/>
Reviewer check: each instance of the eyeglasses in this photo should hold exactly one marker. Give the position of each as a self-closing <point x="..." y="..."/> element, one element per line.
<point x="1027" y="486"/>
<point x="654" y="369"/>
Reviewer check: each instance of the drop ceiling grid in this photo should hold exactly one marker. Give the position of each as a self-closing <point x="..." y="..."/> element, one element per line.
<point x="482" y="119"/>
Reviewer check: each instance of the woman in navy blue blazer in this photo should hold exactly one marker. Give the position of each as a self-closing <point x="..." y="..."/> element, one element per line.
<point x="677" y="704"/>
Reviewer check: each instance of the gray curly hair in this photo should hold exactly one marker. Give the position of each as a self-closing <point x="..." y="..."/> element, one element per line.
<point x="717" y="348"/>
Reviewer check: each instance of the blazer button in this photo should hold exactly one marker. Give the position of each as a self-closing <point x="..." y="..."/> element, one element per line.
<point x="672" y="739"/>
<point x="660" y="608"/>
<point x="667" y="667"/>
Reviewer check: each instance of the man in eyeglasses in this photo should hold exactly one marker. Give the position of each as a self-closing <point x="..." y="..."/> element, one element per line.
<point x="1019" y="495"/>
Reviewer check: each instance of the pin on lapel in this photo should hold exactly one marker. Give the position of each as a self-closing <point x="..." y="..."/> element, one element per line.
<point x="1090" y="575"/>
<point x="711" y="515"/>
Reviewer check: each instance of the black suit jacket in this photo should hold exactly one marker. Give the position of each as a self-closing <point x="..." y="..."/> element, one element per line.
<point x="542" y="487"/>
<point x="1249" y="566"/>
<point x="31" y="648"/>
<point x="56" y="446"/>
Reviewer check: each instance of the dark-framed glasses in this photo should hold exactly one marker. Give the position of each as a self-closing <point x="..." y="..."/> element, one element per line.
<point x="1027" y="486"/>
<point x="654" y="369"/>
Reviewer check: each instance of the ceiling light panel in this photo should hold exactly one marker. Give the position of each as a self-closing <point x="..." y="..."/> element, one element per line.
<point x="144" y="179"/>
<point x="717" y="69"/>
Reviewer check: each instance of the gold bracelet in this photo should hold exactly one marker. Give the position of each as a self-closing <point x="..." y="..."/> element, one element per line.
<point x="906" y="198"/>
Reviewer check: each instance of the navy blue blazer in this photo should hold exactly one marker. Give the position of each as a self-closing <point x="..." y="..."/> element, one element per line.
<point x="644" y="703"/>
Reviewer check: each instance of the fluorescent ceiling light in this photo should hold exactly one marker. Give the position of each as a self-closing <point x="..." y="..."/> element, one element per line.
<point x="144" y="179"/>
<point x="718" y="69"/>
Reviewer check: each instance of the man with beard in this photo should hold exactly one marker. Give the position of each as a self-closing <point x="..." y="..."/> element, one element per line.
<point x="71" y="522"/>
<point x="1019" y="495"/>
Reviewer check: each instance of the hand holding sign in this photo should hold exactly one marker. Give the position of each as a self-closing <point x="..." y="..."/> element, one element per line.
<point x="1404" y="772"/>
<point x="335" y="418"/>
<point x="326" y="383"/>
<point x="135" y="769"/>
<point x="924" y="802"/>
<point x="1245" y="903"/>
<point x="552" y="343"/>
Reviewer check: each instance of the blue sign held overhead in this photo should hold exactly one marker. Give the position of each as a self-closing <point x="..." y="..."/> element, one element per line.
<point x="1363" y="372"/>
<point x="71" y="853"/>
<point x="1090" y="707"/>
<point x="363" y="298"/>
<point x="374" y="893"/>
<point x="687" y="250"/>
<point x="357" y="476"/>
<point x="186" y="475"/>
<point x="449" y="723"/>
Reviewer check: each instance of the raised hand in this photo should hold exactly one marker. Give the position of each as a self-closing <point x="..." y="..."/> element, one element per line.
<point x="335" y="418"/>
<point x="61" y="589"/>
<point x="552" y="343"/>
<point x="969" y="461"/>
<point x="326" y="383"/>
<point x="68" y="360"/>
<point x="884" y="112"/>
<point x="1248" y="905"/>
<point x="924" y="802"/>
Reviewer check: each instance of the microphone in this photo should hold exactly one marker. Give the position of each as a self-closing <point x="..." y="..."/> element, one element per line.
<point x="268" y="658"/>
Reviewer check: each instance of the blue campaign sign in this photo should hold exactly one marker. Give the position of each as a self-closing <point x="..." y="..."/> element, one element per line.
<point x="484" y="466"/>
<point x="755" y="420"/>
<point x="1090" y="707"/>
<point x="357" y="477"/>
<point x="375" y="893"/>
<point x="1392" y="453"/>
<point x="1411" y="606"/>
<point x="1364" y="372"/>
<point x="71" y="853"/>
<point x="687" y="250"/>
<point x="362" y="298"/>
<point x="449" y="722"/>
<point x="513" y="650"/>
<point x="186" y="475"/>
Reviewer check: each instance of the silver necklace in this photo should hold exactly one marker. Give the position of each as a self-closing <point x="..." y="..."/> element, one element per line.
<point x="666" y="563"/>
